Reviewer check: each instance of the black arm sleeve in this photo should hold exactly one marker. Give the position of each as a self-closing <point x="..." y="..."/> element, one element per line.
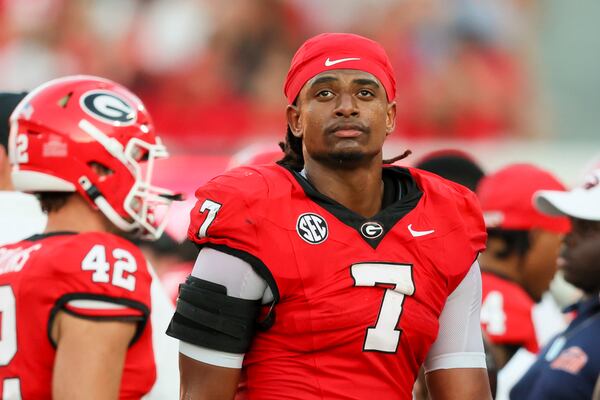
<point x="207" y="317"/>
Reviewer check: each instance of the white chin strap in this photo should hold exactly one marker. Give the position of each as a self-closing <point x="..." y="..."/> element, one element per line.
<point x="105" y="207"/>
<point x="113" y="216"/>
<point x="142" y="190"/>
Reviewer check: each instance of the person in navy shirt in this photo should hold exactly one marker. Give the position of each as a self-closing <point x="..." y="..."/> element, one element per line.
<point x="569" y="366"/>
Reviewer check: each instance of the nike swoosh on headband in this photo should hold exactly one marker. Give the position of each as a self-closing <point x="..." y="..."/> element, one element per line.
<point x="329" y="63"/>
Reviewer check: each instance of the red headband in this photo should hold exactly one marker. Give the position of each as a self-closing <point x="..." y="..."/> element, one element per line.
<point x="329" y="51"/>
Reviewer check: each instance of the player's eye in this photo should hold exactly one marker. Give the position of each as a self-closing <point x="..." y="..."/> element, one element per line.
<point x="325" y="93"/>
<point x="365" y="93"/>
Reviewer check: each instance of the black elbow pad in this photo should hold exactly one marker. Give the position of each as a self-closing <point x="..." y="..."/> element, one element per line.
<point x="207" y="317"/>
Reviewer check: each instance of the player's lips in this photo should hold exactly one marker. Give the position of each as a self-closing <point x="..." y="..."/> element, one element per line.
<point x="563" y="264"/>
<point x="347" y="133"/>
<point x="346" y="130"/>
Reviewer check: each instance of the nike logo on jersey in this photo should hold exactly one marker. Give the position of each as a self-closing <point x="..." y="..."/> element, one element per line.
<point x="329" y="63"/>
<point x="419" y="233"/>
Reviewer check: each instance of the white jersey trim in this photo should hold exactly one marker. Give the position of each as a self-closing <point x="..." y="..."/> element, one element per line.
<point x="456" y="360"/>
<point x="212" y="357"/>
<point x="96" y="305"/>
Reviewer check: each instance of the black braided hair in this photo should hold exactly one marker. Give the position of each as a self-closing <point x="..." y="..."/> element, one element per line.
<point x="292" y="152"/>
<point x="402" y="156"/>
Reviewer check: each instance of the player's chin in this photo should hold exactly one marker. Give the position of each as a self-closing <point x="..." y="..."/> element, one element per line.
<point x="344" y="158"/>
<point x="572" y="275"/>
<point x="348" y="156"/>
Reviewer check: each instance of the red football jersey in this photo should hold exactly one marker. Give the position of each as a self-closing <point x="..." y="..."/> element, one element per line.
<point x="506" y="312"/>
<point x="95" y="275"/>
<point x="357" y="300"/>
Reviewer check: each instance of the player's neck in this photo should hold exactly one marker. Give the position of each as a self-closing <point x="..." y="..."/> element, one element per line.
<point x="76" y="216"/>
<point x="359" y="189"/>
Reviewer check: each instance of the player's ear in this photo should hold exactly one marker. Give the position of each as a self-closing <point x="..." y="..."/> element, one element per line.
<point x="5" y="168"/>
<point x="390" y="121"/>
<point x="533" y="236"/>
<point x="293" y="119"/>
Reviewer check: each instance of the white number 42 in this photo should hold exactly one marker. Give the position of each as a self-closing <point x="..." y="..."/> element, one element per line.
<point x="384" y="336"/>
<point x="123" y="269"/>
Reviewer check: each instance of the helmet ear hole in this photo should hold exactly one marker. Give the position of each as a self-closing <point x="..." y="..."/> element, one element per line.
<point x="100" y="170"/>
<point x="65" y="100"/>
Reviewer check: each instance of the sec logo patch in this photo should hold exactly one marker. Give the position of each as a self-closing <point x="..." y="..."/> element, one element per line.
<point x="312" y="228"/>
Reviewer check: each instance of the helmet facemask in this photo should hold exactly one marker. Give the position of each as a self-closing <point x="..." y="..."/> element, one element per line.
<point x="144" y="200"/>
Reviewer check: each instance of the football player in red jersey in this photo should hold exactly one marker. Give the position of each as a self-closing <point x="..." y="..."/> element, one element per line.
<point x="517" y="266"/>
<point x="75" y="300"/>
<point x="330" y="276"/>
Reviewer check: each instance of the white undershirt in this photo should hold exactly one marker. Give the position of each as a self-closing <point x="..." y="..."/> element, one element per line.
<point x="459" y="343"/>
<point x="20" y="216"/>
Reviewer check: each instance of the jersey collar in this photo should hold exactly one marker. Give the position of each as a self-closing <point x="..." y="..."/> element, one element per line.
<point x="407" y="197"/>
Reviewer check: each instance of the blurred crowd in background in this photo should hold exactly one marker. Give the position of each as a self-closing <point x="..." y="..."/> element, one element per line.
<point x="496" y="79"/>
<point x="211" y="71"/>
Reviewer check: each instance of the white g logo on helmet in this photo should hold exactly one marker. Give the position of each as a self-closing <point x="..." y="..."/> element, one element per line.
<point x="108" y="107"/>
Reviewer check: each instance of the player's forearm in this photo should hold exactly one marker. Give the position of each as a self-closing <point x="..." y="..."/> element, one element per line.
<point x="200" y="381"/>
<point x="459" y="384"/>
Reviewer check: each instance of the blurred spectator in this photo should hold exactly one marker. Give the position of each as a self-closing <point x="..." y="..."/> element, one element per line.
<point x="517" y="266"/>
<point x="455" y="165"/>
<point x="569" y="367"/>
<point x="208" y="70"/>
<point x="459" y="69"/>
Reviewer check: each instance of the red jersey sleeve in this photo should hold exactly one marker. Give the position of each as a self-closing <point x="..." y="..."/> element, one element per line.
<point x="100" y="275"/>
<point x="228" y="212"/>
<point x="470" y="228"/>
<point x="472" y="218"/>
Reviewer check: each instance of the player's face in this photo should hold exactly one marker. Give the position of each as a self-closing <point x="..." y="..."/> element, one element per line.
<point x="580" y="255"/>
<point x="539" y="265"/>
<point x="343" y="117"/>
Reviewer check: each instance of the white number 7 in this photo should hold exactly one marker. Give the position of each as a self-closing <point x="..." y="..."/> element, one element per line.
<point x="384" y="336"/>
<point x="212" y="207"/>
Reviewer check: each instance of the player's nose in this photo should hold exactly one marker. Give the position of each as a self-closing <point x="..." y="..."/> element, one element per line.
<point x="346" y="106"/>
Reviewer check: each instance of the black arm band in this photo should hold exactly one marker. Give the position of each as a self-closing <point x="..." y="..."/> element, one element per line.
<point x="207" y="317"/>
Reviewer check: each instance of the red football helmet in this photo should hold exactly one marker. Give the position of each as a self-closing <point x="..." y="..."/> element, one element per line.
<point x="67" y="129"/>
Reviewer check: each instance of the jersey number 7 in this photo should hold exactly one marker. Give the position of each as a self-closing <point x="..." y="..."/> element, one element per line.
<point x="384" y="336"/>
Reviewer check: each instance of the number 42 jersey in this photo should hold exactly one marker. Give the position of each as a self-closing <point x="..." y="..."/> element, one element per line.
<point x="357" y="300"/>
<point x="91" y="275"/>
